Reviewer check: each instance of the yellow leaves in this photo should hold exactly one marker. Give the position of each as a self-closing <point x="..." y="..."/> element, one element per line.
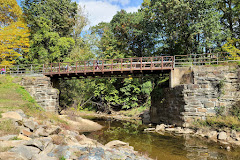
<point x="14" y="32"/>
<point x="9" y="11"/>
<point x="230" y="47"/>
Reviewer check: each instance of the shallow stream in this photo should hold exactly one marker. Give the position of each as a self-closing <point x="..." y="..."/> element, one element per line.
<point x="161" y="147"/>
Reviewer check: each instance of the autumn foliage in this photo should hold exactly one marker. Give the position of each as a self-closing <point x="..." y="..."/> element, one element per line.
<point x="14" y="33"/>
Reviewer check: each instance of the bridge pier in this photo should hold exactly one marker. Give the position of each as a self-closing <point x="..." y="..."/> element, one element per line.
<point x="42" y="90"/>
<point x="194" y="94"/>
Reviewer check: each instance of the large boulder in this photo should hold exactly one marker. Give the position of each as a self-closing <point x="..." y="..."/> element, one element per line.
<point x="43" y="157"/>
<point x="25" y="151"/>
<point x="13" y="115"/>
<point x="41" y="132"/>
<point x="60" y="151"/>
<point x="222" y="136"/>
<point x="82" y="125"/>
<point x="11" y="156"/>
<point x="116" y="144"/>
<point x="12" y="143"/>
<point x="7" y="137"/>
<point x="53" y="130"/>
<point x="35" y="143"/>
<point x="48" y="148"/>
<point x="30" y="124"/>
<point x="212" y="134"/>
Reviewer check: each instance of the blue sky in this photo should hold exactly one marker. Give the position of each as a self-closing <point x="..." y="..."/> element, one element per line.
<point x="103" y="10"/>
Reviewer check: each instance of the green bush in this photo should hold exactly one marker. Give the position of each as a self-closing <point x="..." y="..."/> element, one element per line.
<point x="235" y="110"/>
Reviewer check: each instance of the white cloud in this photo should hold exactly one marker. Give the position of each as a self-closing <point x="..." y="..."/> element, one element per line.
<point x="99" y="11"/>
<point x="132" y="9"/>
<point x="122" y="2"/>
<point x="103" y="10"/>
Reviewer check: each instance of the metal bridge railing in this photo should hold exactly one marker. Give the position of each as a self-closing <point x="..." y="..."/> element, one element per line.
<point x="123" y="64"/>
<point x="205" y="59"/>
<point x="111" y="65"/>
<point x="23" y="69"/>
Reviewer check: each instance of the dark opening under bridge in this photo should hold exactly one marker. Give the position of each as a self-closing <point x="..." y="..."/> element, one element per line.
<point x="121" y="66"/>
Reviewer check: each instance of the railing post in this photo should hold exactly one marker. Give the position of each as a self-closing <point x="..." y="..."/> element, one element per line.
<point x="31" y="68"/>
<point x="162" y="62"/>
<point x="121" y="65"/>
<point x="51" y="67"/>
<point x="102" y="66"/>
<point x="112" y="66"/>
<point x="131" y="64"/>
<point x="68" y="67"/>
<point x="94" y="66"/>
<point x="151" y="64"/>
<point x="173" y="61"/>
<point x="43" y="69"/>
<point x="84" y="67"/>
<point x="76" y="67"/>
<point x="59" y="68"/>
<point x="141" y="63"/>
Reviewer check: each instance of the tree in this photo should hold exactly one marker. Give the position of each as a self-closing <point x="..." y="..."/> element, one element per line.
<point x="14" y="33"/>
<point x="230" y="10"/>
<point x="51" y="24"/>
<point x="60" y="15"/>
<point x="81" y="21"/>
<point x="184" y="26"/>
<point x="107" y="42"/>
<point x="233" y="48"/>
<point x="84" y="42"/>
<point x="130" y="31"/>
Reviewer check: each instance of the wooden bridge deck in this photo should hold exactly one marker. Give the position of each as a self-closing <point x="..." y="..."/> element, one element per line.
<point x="110" y="67"/>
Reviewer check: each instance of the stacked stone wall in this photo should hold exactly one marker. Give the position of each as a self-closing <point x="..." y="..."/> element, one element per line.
<point x="211" y="88"/>
<point x="41" y="89"/>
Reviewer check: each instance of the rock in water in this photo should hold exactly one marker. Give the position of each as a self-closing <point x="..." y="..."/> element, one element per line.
<point x="222" y="136"/>
<point x="116" y="144"/>
<point x="160" y="128"/>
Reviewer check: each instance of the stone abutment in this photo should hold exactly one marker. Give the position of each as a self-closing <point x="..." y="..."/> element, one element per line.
<point x="197" y="92"/>
<point x="41" y="89"/>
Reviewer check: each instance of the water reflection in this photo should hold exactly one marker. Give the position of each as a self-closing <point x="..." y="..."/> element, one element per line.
<point x="161" y="147"/>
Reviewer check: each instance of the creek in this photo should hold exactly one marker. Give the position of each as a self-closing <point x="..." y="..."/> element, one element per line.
<point x="160" y="146"/>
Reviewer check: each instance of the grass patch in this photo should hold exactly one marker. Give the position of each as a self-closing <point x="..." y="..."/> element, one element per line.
<point x="8" y="127"/>
<point x="13" y="96"/>
<point x="15" y="138"/>
<point x="9" y="98"/>
<point x="133" y="112"/>
<point x="220" y="122"/>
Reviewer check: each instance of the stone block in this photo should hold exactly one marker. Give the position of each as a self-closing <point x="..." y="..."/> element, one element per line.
<point x="213" y="99"/>
<point x="190" y="110"/>
<point x="193" y="86"/>
<point x="202" y="110"/>
<point x="209" y="104"/>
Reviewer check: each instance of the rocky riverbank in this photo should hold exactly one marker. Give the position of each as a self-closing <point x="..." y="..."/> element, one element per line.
<point x="227" y="139"/>
<point x="45" y="140"/>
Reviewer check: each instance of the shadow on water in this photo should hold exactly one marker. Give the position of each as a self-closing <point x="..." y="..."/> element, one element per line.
<point x="160" y="147"/>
